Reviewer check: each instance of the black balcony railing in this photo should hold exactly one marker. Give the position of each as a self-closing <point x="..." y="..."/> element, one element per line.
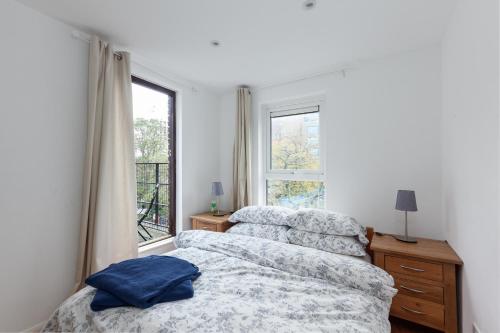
<point x="148" y="176"/>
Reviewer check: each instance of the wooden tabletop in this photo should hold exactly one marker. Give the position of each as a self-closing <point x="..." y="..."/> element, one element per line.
<point x="209" y="217"/>
<point x="425" y="249"/>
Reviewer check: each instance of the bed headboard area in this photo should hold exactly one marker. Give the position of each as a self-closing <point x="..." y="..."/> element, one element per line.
<point x="369" y="234"/>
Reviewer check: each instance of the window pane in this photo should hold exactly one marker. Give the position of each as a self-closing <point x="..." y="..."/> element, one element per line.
<point x="296" y="194"/>
<point x="150" y="124"/>
<point x="151" y="109"/>
<point x="295" y="142"/>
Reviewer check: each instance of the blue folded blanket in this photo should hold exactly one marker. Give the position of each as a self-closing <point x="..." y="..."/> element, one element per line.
<point x="143" y="282"/>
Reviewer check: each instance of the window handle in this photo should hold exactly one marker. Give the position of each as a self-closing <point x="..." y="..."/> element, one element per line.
<point x="412" y="268"/>
<point x="411" y="289"/>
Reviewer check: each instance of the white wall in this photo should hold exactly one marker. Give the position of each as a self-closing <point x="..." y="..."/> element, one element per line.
<point x="383" y="123"/>
<point x="200" y="152"/>
<point x="43" y="91"/>
<point x="470" y="156"/>
<point x="226" y="142"/>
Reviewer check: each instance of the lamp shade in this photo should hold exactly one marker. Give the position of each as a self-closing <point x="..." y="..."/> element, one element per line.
<point x="406" y="201"/>
<point x="217" y="189"/>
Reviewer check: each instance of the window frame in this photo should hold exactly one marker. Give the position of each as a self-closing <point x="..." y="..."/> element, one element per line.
<point x="172" y="159"/>
<point x="288" y="108"/>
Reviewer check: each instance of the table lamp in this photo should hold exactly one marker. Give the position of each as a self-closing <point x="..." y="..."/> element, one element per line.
<point x="217" y="191"/>
<point x="406" y="202"/>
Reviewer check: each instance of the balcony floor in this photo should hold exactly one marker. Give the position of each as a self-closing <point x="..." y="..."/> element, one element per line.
<point x="155" y="233"/>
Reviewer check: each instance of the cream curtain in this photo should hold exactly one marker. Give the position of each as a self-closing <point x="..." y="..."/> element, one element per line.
<point x="108" y="225"/>
<point x="241" y="160"/>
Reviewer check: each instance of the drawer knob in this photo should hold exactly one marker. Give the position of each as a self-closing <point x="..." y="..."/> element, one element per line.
<point x="412" y="311"/>
<point x="204" y="228"/>
<point x="412" y="268"/>
<point x="412" y="290"/>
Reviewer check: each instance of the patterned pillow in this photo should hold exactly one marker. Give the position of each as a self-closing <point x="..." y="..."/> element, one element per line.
<point x="262" y="215"/>
<point x="272" y="232"/>
<point x="323" y="221"/>
<point x="330" y="243"/>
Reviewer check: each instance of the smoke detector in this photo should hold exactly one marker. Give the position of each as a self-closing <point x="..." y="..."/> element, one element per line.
<point x="215" y="43"/>
<point x="309" y="4"/>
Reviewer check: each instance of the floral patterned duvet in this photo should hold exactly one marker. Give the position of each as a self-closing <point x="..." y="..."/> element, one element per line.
<point x="251" y="285"/>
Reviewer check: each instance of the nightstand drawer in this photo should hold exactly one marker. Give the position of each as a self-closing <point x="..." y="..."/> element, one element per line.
<point x="416" y="268"/>
<point x="419" y="290"/>
<point x="425" y="276"/>
<point x="418" y="311"/>
<point x="202" y="225"/>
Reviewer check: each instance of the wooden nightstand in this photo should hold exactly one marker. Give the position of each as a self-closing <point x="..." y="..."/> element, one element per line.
<point x="425" y="276"/>
<point x="209" y="222"/>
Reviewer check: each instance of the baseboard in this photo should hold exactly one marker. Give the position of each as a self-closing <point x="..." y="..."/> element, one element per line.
<point x="37" y="328"/>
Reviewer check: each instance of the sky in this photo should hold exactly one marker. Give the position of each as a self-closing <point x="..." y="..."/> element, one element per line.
<point x="149" y="104"/>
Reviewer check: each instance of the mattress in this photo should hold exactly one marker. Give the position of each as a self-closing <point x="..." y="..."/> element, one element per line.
<point x="251" y="285"/>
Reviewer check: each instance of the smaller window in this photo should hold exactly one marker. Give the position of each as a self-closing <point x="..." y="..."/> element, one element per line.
<point x="294" y="172"/>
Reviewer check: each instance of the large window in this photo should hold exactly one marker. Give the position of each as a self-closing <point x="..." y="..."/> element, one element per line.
<point x="294" y="163"/>
<point x="154" y="132"/>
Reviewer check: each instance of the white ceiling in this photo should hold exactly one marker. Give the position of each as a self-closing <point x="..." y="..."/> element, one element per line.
<point x="263" y="41"/>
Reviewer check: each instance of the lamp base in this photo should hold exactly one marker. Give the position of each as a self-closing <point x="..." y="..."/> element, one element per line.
<point x="218" y="214"/>
<point x="405" y="239"/>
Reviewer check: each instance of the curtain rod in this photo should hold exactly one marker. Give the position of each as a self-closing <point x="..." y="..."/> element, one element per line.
<point x="86" y="38"/>
<point x="340" y="69"/>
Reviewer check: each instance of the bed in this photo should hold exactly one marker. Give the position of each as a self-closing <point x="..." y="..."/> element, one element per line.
<point x="250" y="284"/>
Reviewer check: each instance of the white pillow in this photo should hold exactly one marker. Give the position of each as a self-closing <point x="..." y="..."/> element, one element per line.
<point x="323" y="221"/>
<point x="330" y="243"/>
<point x="272" y="232"/>
<point x="262" y="215"/>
